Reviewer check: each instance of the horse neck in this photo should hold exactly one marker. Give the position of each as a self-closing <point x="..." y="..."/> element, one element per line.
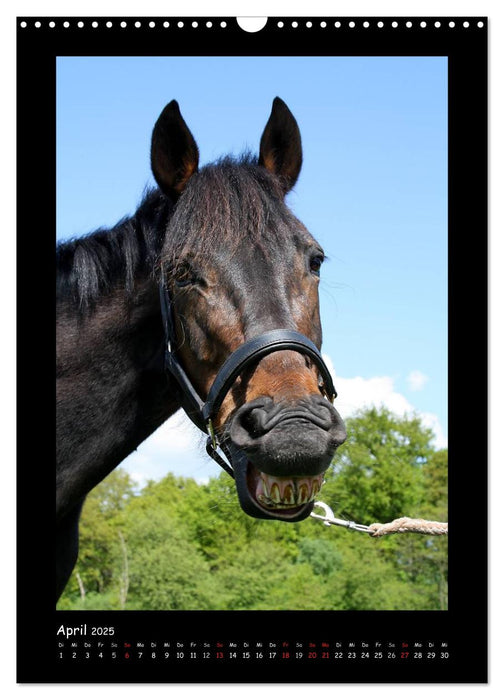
<point x="112" y="392"/>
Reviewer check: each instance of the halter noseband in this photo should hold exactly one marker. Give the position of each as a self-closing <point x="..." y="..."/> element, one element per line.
<point x="202" y="413"/>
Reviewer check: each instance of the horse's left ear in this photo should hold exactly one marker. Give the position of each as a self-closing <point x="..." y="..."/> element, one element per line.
<point x="174" y="153"/>
<point x="280" y="151"/>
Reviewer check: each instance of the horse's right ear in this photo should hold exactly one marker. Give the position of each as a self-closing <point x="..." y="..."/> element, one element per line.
<point x="174" y="153"/>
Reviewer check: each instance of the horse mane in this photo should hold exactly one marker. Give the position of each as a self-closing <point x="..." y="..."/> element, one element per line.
<point x="89" y="266"/>
<point x="223" y="204"/>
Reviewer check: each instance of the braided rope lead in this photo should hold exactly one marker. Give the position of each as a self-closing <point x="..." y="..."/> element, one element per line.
<point x="421" y="527"/>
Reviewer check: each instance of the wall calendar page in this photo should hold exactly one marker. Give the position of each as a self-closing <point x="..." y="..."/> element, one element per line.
<point x="263" y="234"/>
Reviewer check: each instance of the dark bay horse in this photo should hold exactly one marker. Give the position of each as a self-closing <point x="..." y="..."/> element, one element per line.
<point x="206" y="299"/>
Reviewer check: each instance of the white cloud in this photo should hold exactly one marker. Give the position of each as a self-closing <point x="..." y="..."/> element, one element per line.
<point x="177" y="447"/>
<point x="430" y="420"/>
<point x="416" y="380"/>
<point x="357" y="393"/>
<point x="178" y="433"/>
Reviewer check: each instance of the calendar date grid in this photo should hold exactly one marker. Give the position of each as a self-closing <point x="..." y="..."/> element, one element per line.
<point x="259" y="651"/>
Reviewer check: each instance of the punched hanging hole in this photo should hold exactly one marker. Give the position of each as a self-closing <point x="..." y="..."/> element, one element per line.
<point x="252" y="24"/>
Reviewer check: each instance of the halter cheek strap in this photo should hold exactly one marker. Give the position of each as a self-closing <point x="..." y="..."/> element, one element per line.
<point x="190" y="399"/>
<point x="202" y="413"/>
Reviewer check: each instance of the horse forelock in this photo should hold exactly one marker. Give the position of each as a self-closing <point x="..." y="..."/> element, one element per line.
<point x="228" y="205"/>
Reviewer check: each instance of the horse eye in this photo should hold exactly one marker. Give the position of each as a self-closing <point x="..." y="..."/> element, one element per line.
<point x="315" y="264"/>
<point x="185" y="282"/>
<point x="185" y="276"/>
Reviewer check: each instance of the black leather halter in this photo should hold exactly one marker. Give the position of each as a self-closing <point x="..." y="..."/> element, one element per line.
<point x="202" y="413"/>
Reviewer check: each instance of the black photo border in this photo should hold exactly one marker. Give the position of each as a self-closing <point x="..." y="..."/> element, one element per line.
<point x="464" y="626"/>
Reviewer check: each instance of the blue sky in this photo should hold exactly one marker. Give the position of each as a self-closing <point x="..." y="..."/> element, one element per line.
<point x="373" y="191"/>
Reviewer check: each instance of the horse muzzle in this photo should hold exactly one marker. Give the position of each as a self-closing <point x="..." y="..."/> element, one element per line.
<point x="280" y="453"/>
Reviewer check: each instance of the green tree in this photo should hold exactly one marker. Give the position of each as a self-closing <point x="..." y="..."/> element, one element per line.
<point x="377" y="474"/>
<point x="252" y="574"/>
<point x="300" y="589"/>
<point x="97" y="539"/>
<point x="388" y="468"/>
<point x="166" y="570"/>
<point x="321" y="554"/>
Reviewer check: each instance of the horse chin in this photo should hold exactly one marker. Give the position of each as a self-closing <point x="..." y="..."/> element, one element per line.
<point x="271" y="497"/>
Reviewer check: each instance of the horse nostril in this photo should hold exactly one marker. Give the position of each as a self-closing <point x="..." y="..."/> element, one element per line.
<point x="254" y="422"/>
<point x="249" y="423"/>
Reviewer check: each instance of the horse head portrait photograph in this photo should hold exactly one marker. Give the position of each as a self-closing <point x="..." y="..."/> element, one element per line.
<point x="251" y="333"/>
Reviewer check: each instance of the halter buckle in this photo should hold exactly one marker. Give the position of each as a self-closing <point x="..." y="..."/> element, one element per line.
<point x="324" y="392"/>
<point x="211" y="432"/>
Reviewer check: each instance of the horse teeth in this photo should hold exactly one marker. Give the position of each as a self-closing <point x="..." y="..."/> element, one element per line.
<point x="302" y="494"/>
<point x="275" y="493"/>
<point x="266" y="502"/>
<point x="284" y="492"/>
<point x="288" y="496"/>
